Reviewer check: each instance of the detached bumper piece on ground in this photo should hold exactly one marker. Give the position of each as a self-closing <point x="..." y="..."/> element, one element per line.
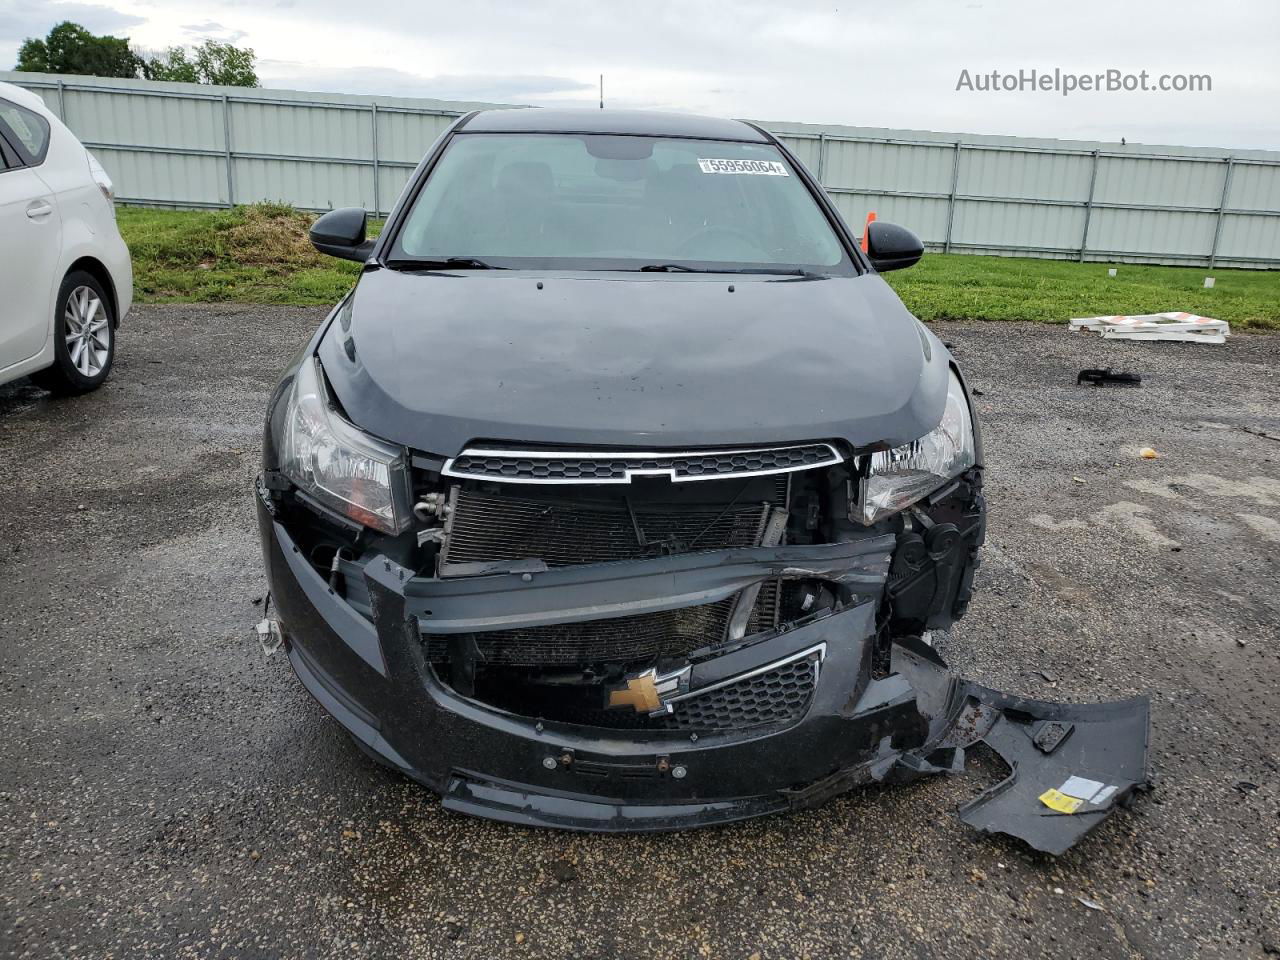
<point x="563" y="643"/>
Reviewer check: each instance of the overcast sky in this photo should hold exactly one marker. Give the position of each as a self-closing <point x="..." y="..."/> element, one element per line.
<point x="886" y="64"/>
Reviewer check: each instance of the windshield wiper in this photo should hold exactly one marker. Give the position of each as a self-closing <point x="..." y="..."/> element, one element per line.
<point x="446" y="263"/>
<point x="799" y="272"/>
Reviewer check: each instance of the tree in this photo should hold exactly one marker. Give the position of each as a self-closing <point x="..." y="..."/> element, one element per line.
<point x="224" y="64"/>
<point x="170" y="65"/>
<point x="70" y="48"/>
<point x="210" y="62"/>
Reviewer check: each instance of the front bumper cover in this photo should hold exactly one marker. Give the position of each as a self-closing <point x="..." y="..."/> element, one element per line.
<point x="861" y="726"/>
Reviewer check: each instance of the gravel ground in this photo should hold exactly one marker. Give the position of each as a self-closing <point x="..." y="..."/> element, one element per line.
<point x="165" y="791"/>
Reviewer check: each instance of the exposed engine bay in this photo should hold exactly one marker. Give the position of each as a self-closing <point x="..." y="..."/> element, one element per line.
<point x="578" y="670"/>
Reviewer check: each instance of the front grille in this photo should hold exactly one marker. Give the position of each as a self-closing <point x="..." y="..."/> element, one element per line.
<point x="489" y="528"/>
<point x="526" y="466"/>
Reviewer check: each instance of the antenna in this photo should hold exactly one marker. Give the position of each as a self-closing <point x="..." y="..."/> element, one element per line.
<point x="602" y="91"/>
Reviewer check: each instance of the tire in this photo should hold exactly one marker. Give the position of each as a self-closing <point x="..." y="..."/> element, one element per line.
<point x="84" y="337"/>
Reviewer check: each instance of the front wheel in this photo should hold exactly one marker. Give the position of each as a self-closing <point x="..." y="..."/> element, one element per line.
<point x="84" y="337"/>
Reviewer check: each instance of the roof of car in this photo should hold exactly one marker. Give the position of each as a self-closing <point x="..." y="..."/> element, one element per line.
<point x="625" y="122"/>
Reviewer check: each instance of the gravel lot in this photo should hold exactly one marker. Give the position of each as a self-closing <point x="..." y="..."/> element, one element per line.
<point x="165" y="791"/>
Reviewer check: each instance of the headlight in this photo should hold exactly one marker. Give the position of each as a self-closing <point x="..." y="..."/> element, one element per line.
<point x="899" y="477"/>
<point x="338" y="464"/>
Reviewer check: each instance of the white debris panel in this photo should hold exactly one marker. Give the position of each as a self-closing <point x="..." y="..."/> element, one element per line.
<point x="1188" y="327"/>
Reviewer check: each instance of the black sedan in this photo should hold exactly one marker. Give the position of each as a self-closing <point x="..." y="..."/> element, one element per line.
<point x="622" y="493"/>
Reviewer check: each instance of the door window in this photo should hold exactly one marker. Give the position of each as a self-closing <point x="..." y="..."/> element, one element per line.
<point x="26" y="130"/>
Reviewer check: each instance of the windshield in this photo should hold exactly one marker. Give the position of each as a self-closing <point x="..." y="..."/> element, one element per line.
<point x="567" y="201"/>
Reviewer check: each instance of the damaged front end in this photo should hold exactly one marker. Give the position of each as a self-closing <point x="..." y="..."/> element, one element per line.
<point x="647" y="640"/>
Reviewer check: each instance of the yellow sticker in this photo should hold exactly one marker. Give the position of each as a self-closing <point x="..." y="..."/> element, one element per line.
<point x="1061" y="801"/>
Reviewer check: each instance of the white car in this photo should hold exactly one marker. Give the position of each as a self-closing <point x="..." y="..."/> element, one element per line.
<point x="65" y="275"/>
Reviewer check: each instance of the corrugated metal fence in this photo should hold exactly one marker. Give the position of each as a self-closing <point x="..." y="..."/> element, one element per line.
<point x="186" y="145"/>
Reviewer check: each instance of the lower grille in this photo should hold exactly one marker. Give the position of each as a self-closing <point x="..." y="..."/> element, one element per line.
<point x="779" y="696"/>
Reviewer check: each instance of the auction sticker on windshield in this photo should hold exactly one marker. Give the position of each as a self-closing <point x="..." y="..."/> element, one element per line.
<point x="767" y="168"/>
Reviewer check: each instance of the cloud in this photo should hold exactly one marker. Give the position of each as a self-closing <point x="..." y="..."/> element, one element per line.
<point x="492" y="88"/>
<point x="861" y="64"/>
<point x="213" y="30"/>
<point x="20" y="19"/>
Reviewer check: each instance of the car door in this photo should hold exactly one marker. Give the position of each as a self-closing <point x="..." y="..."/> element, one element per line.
<point x="30" y="237"/>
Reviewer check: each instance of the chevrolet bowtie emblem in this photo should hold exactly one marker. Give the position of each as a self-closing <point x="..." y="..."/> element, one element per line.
<point x="650" y="691"/>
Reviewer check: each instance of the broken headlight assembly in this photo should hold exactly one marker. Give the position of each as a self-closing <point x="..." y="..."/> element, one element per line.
<point x="897" y="478"/>
<point x="337" y="464"/>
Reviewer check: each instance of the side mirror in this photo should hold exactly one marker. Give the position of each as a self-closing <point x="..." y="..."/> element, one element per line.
<point x="892" y="247"/>
<point x="341" y="233"/>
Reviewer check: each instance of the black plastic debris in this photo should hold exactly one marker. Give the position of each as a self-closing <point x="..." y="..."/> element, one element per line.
<point x="1105" y="376"/>
<point x="1070" y="764"/>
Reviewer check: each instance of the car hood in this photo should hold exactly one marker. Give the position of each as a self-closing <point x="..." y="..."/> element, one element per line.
<point x="435" y="360"/>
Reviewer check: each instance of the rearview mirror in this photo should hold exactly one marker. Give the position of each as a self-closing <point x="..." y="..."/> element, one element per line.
<point x="341" y="233"/>
<point x="892" y="247"/>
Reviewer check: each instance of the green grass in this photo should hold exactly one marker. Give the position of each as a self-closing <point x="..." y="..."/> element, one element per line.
<point x="260" y="254"/>
<point x="251" y="254"/>
<point x="962" y="287"/>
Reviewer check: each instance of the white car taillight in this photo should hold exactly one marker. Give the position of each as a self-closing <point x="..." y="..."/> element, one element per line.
<point x="102" y="180"/>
